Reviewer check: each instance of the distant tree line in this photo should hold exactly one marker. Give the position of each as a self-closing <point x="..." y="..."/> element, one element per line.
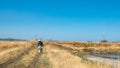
<point x="103" y="40"/>
<point x="10" y="39"/>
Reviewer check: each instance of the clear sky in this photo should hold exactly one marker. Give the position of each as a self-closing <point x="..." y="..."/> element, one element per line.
<point x="77" y="20"/>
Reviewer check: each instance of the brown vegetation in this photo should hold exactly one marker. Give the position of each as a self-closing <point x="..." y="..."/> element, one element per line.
<point x="24" y="54"/>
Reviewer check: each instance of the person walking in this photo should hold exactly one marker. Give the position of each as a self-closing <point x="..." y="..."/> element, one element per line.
<point x="40" y="45"/>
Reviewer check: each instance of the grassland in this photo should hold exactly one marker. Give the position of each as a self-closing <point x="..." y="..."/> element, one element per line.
<point x="20" y="54"/>
<point x="24" y="54"/>
<point x="92" y="47"/>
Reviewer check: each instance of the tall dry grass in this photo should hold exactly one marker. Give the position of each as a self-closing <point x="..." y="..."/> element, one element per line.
<point x="25" y="61"/>
<point x="56" y="57"/>
<point x="4" y="45"/>
<point x="12" y="50"/>
<point x="91" y="46"/>
<point x="63" y="59"/>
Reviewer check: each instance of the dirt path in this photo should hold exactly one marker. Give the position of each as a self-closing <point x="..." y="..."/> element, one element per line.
<point x="34" y="63"/>
<point x="114" y="62"/>
<point x="62" y="59"/>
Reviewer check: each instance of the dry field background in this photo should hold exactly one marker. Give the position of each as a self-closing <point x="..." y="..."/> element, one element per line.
<point x="24" y="54"/>
<point x="91" y="46"/>
<point x="20" y="54"/>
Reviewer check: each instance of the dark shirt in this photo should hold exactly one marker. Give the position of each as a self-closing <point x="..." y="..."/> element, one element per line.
<point x="40" y="43"/>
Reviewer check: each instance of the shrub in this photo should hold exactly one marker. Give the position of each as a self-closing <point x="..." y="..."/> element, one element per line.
<point x="104" y="41"/>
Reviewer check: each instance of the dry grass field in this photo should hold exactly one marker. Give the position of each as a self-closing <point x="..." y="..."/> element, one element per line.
<point x="91" y="46"/>
<point x="24" y="54"/>
<point x="21" y="54"/>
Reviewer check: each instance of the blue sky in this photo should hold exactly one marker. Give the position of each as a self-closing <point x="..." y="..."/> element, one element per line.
<point x="77" y="20"/>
